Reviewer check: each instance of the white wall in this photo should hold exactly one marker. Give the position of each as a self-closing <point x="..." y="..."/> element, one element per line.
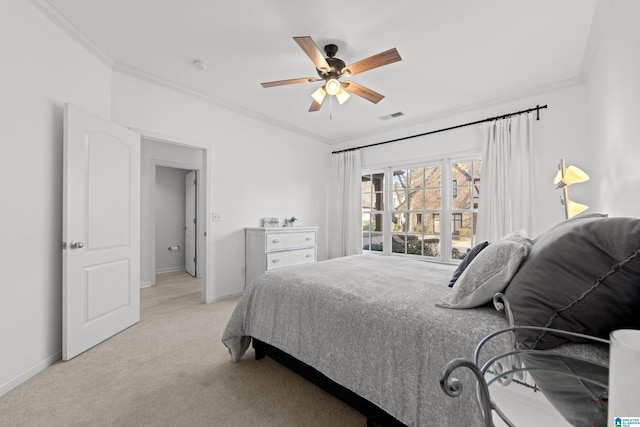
<point x="42" y="68"/>
<point x="560" y="132"/>
<point x="170" y="199"/>
<point x="154" y="153"/>
<point x="257" y="171"/>
<point x="614" y="106"/>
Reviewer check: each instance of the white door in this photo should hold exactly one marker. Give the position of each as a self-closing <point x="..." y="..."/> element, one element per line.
<point x="190" y="224"/>
<point x="101" y="231"/>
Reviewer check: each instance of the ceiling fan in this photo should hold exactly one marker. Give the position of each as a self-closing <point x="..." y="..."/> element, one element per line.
<point x="331" y="69"/>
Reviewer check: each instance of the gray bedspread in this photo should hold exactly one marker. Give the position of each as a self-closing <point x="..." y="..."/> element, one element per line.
<point x="369" y="323"/>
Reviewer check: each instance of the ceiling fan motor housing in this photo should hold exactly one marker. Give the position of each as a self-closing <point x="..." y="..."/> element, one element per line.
<point x="336" y="64"/>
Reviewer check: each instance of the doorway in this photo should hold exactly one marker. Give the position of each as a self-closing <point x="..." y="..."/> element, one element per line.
<point x="175" y="205"/>
<point x="172" y="158"/>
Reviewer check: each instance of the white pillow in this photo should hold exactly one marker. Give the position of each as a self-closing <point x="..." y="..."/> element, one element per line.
<point x="489" y="273"/>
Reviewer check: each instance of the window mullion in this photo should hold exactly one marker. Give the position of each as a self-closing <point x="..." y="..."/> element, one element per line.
<point x="388" y="210"/>
<point x="445" y="215"/>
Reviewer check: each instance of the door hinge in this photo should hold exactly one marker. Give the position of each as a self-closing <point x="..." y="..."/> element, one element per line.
<point x="195" y="182"/>
<point x="195" y="220"/>
<point x="194" y="259"/>
<point x="64" y="245"/>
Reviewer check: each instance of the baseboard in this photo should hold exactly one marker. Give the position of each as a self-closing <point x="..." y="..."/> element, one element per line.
<point x="169" y="270"/>
<point x="145" y="285"/>
<point x="29" y="373"/>
<point x="223" y="297"/>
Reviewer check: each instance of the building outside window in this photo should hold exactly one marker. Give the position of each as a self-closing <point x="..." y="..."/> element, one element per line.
<point x="404" y="211"/>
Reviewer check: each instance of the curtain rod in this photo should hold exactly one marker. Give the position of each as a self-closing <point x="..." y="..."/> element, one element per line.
<point x="537" y="109"/>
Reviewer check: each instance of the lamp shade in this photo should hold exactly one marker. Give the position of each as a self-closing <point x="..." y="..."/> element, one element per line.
<point x="333" y="86"/>
<point x="319" y="95"/>
<point x="572" y="175"/>
<point x="624" y="376"/>
<point x="574" y="208"/>
<point x="342" y="96"/>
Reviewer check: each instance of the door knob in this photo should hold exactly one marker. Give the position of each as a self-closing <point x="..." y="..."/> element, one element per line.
<point x="76" y="245"/>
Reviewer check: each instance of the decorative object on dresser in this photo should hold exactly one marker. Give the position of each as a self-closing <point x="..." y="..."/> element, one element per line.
<point x="270" y="222"/>
<point x="274" y="248"/>
<point x="290" y="222"/>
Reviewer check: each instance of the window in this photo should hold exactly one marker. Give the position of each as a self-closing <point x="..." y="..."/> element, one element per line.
<point x="372" y="211"/>
<point x="416" y="198"/>
<point x="464" y="207"/>
<point x="405" y="216"/>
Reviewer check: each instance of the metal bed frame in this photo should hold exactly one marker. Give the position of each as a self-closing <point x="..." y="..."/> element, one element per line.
<point x="505" y="368"/>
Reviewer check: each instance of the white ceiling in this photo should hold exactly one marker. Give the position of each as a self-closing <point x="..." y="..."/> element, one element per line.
<point x="455" y="53"/>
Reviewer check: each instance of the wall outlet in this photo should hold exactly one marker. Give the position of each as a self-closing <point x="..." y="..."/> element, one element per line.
<point x="216" y="217"/>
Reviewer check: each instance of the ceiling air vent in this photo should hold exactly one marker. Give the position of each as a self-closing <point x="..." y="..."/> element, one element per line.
<point x="392" y="116"/>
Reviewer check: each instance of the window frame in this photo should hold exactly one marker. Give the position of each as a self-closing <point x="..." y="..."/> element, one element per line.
<point x="445" y="213"/>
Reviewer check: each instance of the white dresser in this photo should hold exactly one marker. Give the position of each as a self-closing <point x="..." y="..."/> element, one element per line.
<point x="272" y="248"/>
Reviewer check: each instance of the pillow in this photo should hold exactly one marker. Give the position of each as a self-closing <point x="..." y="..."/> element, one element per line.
<point x="488" y="273"/>
<point x="580" y="217"/>
<point x="581" y="276"/>
<point x="466" y="261"/>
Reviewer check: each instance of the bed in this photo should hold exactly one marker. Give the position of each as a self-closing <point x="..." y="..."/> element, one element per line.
<point x="368" y="323"/>
<point x="377" y="330"/>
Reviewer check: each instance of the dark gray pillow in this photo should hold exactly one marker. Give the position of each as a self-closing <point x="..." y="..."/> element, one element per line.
<point x="466" y="261"/>
<point x="581" y="276"/>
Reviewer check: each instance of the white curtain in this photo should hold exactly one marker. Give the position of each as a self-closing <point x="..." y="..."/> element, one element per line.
<point x="507" y="179"/>
<point x="346" y="236"/>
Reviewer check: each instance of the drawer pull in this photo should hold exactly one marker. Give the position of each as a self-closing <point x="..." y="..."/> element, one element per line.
<point x="275" y="260"/>
<point x="309" y="255"/>
<point x="275" y="241"/>
<point x="309" y="239"/>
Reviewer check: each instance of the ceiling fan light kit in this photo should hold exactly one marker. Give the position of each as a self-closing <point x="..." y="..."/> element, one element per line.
<point x="330" y="69"/>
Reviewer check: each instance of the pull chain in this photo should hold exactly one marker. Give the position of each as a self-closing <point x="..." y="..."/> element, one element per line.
<point x="330" y="107"/>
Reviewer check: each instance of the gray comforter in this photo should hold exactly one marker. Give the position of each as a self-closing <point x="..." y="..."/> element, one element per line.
<point x="369" y="323"/>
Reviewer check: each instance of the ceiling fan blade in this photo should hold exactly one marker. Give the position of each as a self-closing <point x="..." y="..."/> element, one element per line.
<point x="383" y="58"/>
<point x="311" y="49"/>
<point x="362" y="91"/>
<point x="289" y="82"/>
<point x="316" y="106"/>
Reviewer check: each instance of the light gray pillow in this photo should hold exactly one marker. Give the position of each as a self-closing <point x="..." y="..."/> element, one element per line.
<point x="489" y="272"/>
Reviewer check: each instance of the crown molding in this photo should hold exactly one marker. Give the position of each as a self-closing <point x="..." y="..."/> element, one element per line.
<point x="54" y="15"/>
<point x="167" y="84"/>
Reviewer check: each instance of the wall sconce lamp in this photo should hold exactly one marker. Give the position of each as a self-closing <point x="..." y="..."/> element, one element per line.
<point x="564" y="178"/>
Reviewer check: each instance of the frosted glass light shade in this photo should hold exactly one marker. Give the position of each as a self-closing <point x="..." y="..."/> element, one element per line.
<point x="342" y="96"/>
<point x="319" y="95"/>
<point x="333" y="86"/>
<point x="624" y="375"/>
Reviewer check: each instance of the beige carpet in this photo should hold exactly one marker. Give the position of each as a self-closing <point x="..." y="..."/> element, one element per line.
<point x="171" y="370"/>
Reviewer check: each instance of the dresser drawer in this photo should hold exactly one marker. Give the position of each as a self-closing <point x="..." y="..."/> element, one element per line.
<point x="274" y="248"/>
<point x="283" y="259"/>
<point x="279" y="241"/>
